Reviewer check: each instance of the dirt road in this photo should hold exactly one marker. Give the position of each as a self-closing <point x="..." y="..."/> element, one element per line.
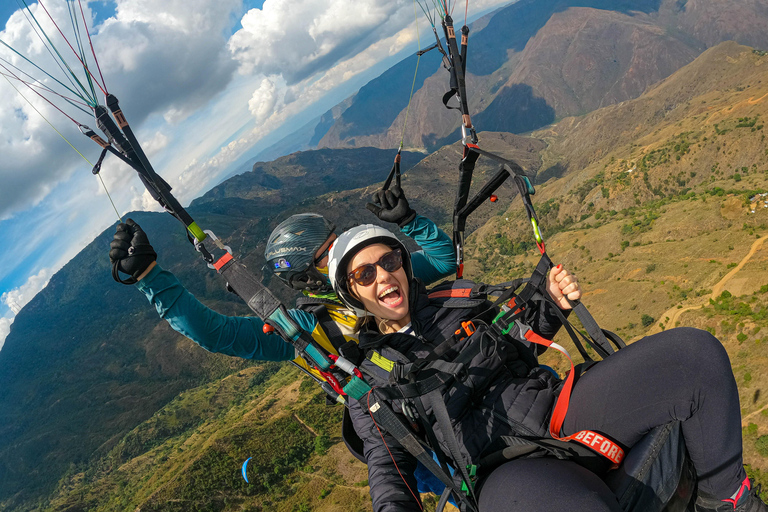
<point x="674" y="313"/>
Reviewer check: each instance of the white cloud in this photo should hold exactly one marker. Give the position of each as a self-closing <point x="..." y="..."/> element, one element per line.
<point x="173" y="68"/>
<point x="298" y="38"/>
<point x="5" y="329"/>
<point x="18" y="298"/>
<point x="263" y="101"/>
<point x="164" y="60"/>
<point x="152" y="146"/>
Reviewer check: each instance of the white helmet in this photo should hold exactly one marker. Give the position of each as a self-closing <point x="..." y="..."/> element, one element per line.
<point x="350" y="243"/>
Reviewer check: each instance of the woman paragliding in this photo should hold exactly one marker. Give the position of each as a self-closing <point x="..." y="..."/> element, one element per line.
<point x="499" y="397"/>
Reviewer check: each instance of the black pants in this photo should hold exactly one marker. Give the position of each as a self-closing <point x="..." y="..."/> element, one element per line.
<point x="545" y="485"/>
<point x="682" y="374"/>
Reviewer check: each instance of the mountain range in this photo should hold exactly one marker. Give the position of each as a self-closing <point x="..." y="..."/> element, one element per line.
<point x="536" y="61"/>
<point x="646" y="178"/>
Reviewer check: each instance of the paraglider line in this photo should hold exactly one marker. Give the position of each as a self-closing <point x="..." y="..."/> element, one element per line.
<point x="46" y="99"/>
<point x="76" y="32"/>
<point x="67" y="141"/>
<point x="69" y="44"/>
<point x="40" y="84"/>
<point x="33" y="86"/>
<point x="415" y="72"/>
<point x="47" y="47"/>
<point x="48" y="74"/>
<point x="368" y="399"/>
<point x="60" y="57"/>
<point x="90" y="42"/>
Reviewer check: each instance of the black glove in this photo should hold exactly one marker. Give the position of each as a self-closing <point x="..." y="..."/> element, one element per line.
<point x="130" y="252"/>
<point x="392" y="206"/>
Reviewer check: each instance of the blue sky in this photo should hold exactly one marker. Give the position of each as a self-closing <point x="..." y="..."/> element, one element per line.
<point x="197" y="79"/>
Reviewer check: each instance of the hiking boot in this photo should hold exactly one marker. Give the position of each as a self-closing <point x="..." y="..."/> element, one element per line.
<point x="748" y="500"/>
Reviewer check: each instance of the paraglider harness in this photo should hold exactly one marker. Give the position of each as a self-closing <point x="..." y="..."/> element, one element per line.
<point x="422" y="383"/>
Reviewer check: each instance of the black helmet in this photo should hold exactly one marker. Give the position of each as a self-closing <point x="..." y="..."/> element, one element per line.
<point x="291" y="248"/>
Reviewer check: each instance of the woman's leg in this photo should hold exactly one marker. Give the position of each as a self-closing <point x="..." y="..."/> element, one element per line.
<point x="545" y="485"/>
<point x="682" y="374"/>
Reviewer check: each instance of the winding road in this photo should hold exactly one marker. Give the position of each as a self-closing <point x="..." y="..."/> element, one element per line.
<point x="674" y="313"/>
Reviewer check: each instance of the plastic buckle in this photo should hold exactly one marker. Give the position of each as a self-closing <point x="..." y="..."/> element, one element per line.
<point x="472" y="476"/>
<point x="468" y="327"/>
<point x="332" y="381"/>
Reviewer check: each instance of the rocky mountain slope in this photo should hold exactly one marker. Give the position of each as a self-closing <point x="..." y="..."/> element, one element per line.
<point x="531" y="63"/>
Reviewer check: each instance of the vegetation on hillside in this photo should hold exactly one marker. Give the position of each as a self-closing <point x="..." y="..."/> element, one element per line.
<point x="652" y="223"/>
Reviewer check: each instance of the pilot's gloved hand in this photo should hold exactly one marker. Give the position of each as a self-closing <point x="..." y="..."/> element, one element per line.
<point x="130" y="252"/>
<point x="392" y="206"/>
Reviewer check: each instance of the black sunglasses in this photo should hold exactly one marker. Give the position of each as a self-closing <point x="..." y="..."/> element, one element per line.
<point x="365" y="275"/>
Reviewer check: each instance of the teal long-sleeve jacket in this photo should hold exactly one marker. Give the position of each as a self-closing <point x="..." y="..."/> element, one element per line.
<point x="243" y="336"/>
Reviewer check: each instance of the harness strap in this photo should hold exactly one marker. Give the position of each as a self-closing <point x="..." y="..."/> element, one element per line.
<point x="445" y="372"/>
<point x="387" y="419"/>
<point x="272" y="311"/>
<point x="330" y="327"/>
<point x="537" y="285"/>
<point x="444" y="497"/>
<point x="423" y="418"/>
<point x="596" y="442"/>
<point x="466" y="169"/>
<point x="435" y="401"/>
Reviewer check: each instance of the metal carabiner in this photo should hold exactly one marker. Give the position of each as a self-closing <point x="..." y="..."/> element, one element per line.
<point x="207" y="256"/>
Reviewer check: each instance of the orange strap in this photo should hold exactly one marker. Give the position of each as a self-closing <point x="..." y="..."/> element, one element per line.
<point x="592" y="440"/>
<point x="222" y="261"/>
<point x="455" y="292"/>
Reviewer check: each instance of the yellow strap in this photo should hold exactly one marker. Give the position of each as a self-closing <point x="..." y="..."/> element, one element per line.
<point x="382" y="362"/>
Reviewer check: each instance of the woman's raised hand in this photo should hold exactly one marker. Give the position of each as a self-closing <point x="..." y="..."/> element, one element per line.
<point x="562" y="286"/>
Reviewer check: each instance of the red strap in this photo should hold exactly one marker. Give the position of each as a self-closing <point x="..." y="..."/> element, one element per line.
<point x="222" y="261"/>
<point x="454" y="292"/>
<point x="596" y="442"/>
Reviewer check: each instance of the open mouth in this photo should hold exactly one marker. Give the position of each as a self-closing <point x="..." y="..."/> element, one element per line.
<point x="391" y="296"/>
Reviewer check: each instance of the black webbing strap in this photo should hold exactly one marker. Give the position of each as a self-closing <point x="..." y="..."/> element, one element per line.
<point x="445" y="372"/>
<point x="393" y="173"/>
<point x="513" y="166"/>
<point x="388" y="420"/>
<point x="434" y="400"/>
<point x="97" y="166"/>
<point x="466" y="169"/>
<point x="536" y="286"/>
<point x="486" y="192"/>
<point x="441" y="457"/>
<point x="444" y="497"/>
<point x="458" y="81"/>
<point x="317" y="307"/>
<point x="271" y="310"/>
<point x="594" y="330"/>
<point x="128" y="144"/>
<point x="464" y="43"/>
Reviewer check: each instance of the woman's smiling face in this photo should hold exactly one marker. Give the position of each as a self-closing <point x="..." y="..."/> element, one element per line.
<point x="387" y="297"/>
